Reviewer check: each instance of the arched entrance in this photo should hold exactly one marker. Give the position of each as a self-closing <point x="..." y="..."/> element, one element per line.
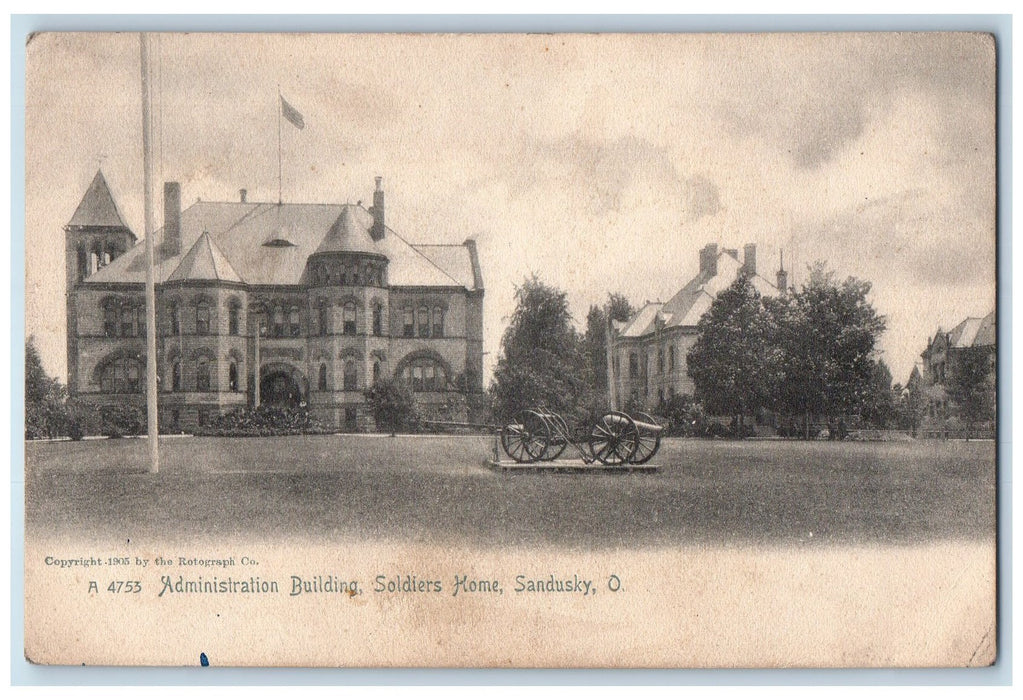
<point x="281" y="385"/>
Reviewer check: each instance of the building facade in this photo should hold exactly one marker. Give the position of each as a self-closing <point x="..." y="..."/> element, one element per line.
<point x="302" y="305"/>
<point x="648" y="352"/>
<point x="939" y="367"/>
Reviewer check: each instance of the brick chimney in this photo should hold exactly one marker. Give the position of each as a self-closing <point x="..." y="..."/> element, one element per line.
<point x="709" y="259"/>
<point x="783" y="277"/>
<point x="749" y="259"/>
<point x="377" y="209"/>
<point x="243" y="195"/>
<point x="171" y="218"/>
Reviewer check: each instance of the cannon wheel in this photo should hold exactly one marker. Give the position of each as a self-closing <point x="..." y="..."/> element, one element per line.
<point x="527" y="439"/>
<point x="559" y="437"/>
<point x="613" y="438"/>
<point x="649" y="443"/>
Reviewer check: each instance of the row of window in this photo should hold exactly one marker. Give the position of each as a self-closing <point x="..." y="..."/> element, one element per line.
<point x="124" y="322"/>
<point x="423" y="322"/>
<point x="352" y="274"/>
<point x="634" y="363"/>
<point x="123" y="376"/>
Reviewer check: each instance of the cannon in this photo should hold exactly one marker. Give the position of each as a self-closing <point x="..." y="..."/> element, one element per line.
<point x="614" y="439"/>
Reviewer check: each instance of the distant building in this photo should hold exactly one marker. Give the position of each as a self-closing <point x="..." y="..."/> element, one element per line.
<point x="342" y="300"/>
<point x="940" y="362"/>
<point x="648" y="352"/>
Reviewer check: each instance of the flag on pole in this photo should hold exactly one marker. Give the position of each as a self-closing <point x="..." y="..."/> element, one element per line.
<point x="292" y="114"/>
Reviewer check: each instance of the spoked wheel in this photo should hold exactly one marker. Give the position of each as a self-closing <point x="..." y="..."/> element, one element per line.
<point x="559" y="437"/>
<point x="613" y="439"/>
<point x="649" y="440"/>
<point x="526" y="439"/>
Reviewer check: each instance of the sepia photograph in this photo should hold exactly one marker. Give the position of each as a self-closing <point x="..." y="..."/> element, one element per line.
<point x="511" y="350"/>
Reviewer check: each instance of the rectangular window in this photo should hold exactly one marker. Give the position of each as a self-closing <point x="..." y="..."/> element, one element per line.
<point x="438" y="323"/>
<point x="110" y="323"/>
<point x="126" y="326"/>
<point x="409" y="329"/>
<point x="424" y="322"/>
<point x="232" y="320"/>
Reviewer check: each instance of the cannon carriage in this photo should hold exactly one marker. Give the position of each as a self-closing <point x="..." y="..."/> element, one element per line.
<point x="614" y="439"/>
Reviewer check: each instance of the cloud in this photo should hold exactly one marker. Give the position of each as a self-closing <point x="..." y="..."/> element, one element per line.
<point x="603" y="169"/>
<point x="700" y="198"/>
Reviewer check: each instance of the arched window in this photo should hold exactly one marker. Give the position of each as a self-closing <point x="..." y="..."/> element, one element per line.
<point x="202" y="374"/>
<point x="342" y="274"/>
<point x="121" y="376"/>
<point x="356" y="277"/>
<point x="233" y="313"/>
<point x="294" y="322"/>
<point x="425" y="374"/>
<point x="349" y="318"/>
<point x="324" y="316"/>
<point x="351" y="376"/>
<point x="438" y="322"/>
<point x="376" y="372"/>
<point x="110" y="321"/>
<point x="323" y="378"/>
<point x="408" y="324"/>
<point x="140" y="320"/>
<point x="175" y="320"/>
<point x="378" y="319"/>
<point x="232" y="376"/>
<point x="660" y="363"/>
<point x="278" y="329"/>
<point x="633" y="365"/>
<point x="671" y="358"/>
<point x="83" y="262"/>
<point x="202" y="318"/>
<point x="176" y="377"/>
<point x="423" y="321"/>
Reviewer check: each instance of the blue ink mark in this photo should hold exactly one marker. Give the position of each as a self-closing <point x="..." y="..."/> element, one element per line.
<point x="203" y="661"/>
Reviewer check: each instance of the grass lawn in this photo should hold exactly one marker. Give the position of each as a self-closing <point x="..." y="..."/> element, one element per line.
<point x="435" y="489"/>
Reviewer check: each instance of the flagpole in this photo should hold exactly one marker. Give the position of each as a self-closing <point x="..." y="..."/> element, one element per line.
<point x="147" y="184"/>
<point x="280" y="108"/>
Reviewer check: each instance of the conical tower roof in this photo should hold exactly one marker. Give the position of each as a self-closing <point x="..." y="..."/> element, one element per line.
<point x="347" y="236"/>
<point x="97" y="207"/>
<point x="204" y="261"/>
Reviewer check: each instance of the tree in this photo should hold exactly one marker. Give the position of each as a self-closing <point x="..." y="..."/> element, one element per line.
<point x="730" y="362"/>
<point x="45" y="411"/>
<point x="826" y="339"/>
<point x="393" y="404"/>
<point x="971" y="387"/>
<point x="541" y="362"/>
<point x="879" y="405"/>
<point x="617" y="308"/>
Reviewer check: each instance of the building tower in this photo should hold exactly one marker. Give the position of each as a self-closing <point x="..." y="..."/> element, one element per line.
<point x="95" y="236"/>
<point x="348" y="303"/>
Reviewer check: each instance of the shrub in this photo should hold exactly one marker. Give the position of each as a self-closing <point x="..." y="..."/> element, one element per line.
<point x="119" y="420"/>
<point x="264" y="421"/>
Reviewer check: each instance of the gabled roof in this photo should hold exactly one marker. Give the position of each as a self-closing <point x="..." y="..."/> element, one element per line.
<point x="97" y="207"/>
<point x="643" y="321"/>
<point x="691" y="302"/>
<point x="240" y="230"/>
<point x="987" y="334"/>
<point x="204" y="261"/>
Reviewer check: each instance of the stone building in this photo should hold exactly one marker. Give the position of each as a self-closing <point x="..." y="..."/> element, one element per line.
<point x="941" y="361"/>
<point x="323" y="299"/>
<point x="648" y="352"/>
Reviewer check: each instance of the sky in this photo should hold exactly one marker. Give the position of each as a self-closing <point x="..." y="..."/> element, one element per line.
<point x="600" y="163"/>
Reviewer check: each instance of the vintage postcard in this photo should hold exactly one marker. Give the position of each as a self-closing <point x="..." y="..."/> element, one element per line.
<point x="364" y="350"/>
